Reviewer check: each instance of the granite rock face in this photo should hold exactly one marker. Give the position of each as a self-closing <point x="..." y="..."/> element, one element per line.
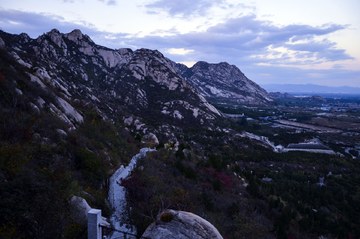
<point x="171" y="224"/>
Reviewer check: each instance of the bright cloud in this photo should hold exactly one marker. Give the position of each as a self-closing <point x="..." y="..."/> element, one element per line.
<point x="179" y="51"/>
<point x="182" y="8"/>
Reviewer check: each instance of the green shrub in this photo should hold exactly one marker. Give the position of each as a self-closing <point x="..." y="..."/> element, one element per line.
<point x="87" y="160"/>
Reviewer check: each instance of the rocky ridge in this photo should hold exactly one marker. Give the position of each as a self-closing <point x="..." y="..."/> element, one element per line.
<point x="223" y="81"/>
<point x="120" y="85"/>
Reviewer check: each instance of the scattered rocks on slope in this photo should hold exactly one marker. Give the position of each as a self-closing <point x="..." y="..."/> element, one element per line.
<point x="150" y="138"/>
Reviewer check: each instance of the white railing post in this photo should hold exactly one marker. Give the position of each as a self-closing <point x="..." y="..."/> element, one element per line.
<point x="94" y="219"/>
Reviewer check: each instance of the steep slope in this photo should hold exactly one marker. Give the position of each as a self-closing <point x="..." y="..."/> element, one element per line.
<point x="223" y="82"/>
<point x="115" y="83"/>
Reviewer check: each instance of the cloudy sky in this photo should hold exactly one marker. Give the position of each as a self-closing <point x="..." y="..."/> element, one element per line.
<point x="278" y="41"/>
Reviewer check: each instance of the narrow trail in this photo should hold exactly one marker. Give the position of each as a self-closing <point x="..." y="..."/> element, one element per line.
<point x="117" y="194"/>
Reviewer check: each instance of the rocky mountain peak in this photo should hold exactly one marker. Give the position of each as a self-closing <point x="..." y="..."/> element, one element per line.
<point x="53" y="31"/>
<point x="77" y="36"/>
<point x="224" y="82"/>
<point x="124" y="51"/>
<point x="25" y="37"/>
<point x="74" y="35"/>
<point x="152" y="63"/>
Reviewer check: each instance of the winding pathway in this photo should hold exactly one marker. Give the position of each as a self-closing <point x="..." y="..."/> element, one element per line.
<point x="117" y="194"/>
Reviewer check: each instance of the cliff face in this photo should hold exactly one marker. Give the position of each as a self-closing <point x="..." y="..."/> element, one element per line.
<point x="181" y="225"/>
<point x="223" y="81"/>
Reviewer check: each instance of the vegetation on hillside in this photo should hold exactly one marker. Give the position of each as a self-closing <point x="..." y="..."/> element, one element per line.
<point x="292" y="205"/>
<point x="217" y="175"/>
<point x="43" y="164"/>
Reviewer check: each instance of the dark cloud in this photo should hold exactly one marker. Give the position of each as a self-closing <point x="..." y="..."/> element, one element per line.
<point x="261" y="34"/>
<point x="236" y="40"/>
<point x="36" y="24"/>
<point x="242" y="38"/>
<point x="183" y="8"/>
<point x="33" y="24"/>
<point x="324" y="50"/>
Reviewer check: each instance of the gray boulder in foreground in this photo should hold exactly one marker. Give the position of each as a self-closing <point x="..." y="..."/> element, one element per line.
<point x="180" y="225"/>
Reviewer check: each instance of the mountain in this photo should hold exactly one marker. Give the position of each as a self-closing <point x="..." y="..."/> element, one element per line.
<point x="310" y="88"/>
<point x="115" y="83"/>
<point x="74" y="112"/>
<point x="279" y="95"/>
<point x="223" y="81"/>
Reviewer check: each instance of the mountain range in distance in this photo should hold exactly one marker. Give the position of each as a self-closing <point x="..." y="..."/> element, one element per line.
<point x="311" y="89"/>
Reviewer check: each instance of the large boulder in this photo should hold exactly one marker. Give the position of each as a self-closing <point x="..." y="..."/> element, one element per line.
<point x="150" y="138"/>
<point x="181" y="225"/>
<point x="82" y="208"/>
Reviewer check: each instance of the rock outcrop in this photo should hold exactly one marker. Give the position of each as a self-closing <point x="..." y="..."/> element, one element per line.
<point x="181" y="225"/>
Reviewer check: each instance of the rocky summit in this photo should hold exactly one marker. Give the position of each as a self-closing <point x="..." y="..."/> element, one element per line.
<point x="223" y="81"/>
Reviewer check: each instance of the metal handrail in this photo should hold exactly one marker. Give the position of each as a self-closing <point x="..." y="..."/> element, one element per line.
<point x="127" y="233"/>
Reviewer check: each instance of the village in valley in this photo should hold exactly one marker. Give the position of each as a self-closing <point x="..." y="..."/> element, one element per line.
<point x="328" y="121"/>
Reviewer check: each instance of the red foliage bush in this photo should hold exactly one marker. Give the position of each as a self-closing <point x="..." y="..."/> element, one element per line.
<point x="223" y="178"/>
<point x="136" y="190"/>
